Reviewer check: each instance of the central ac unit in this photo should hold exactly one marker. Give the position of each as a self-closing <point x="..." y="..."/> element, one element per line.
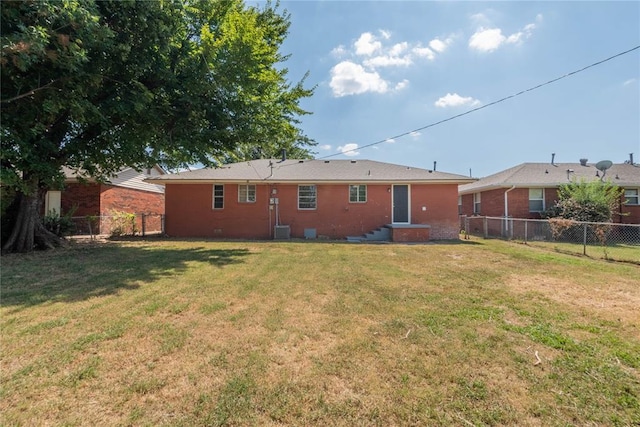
<point x="281" y="232"/>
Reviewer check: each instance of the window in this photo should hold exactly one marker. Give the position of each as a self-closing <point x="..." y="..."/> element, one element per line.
<point x="536" y="199"/>
<point x="476" y="203"/>
<point x="246" y="193"/>
<point x="218" y="196"/>
<point x="631" y="196"/>
<point x="357" y="193"/>
<point x="459" y="205"/>
<point x="307" y="197"/>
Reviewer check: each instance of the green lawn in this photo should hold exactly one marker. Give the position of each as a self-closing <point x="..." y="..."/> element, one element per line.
<point x="184" y="333"/>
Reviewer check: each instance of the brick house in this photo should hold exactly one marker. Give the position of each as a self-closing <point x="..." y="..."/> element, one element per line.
<point x="127" y="191"/>
<point x="336" y="199"/>
<point x="528" y="189"/>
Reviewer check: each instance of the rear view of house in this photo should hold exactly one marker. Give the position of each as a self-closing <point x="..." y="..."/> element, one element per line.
<point x="336" y="199"/>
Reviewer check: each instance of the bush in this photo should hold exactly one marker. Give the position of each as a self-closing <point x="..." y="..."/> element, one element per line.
<point x="58" y="225"/>
<point x="123" y="224"/>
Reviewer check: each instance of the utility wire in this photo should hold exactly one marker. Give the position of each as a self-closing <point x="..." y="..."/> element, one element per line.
<point x="486" y="105"/>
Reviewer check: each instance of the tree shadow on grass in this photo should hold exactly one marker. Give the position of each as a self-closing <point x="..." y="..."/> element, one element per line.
<point x="92" y="270"/>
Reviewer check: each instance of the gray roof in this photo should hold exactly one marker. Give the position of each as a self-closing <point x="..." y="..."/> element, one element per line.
<point x="312" y="171"/>
<point x="527" y="175"/>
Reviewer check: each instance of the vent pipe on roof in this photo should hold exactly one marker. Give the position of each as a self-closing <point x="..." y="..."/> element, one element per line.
<point x="553" y="156"/>
<point x="631" y="158"/>
<point x="284" y="154"/>
<point x="583" y="162"/>
<point x="434" y="165"/>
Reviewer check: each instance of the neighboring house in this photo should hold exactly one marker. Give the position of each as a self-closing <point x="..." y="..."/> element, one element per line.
<point x="527" y="190"/>
<point x="336" y="199"/>
<point x="127" y="191"/>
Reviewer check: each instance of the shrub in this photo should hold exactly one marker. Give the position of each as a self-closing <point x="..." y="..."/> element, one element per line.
<point x="123" y="224"/>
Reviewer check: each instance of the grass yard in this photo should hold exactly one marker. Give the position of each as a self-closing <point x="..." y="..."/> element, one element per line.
<point x="200" y="333"/>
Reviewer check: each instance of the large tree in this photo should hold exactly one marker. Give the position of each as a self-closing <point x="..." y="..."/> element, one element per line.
<point x="99" y="85"/>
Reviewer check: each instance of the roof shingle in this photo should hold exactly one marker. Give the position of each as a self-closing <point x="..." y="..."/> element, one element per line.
<point x="312" y="171"/>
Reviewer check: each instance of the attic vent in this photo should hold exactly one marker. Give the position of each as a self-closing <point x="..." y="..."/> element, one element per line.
<point x="326" y="161"/>
<point x="353" y="161"/>
<point x="583" y="162"/>
<point x="300" y="161"/>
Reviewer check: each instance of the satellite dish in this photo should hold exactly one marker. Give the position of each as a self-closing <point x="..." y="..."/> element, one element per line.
<point x="603" y="165"/>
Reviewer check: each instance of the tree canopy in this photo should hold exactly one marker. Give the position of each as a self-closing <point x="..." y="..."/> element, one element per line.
<point x="99" y="85"/>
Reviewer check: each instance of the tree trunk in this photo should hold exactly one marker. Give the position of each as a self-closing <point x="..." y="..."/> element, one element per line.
<point x="28" y="233"/>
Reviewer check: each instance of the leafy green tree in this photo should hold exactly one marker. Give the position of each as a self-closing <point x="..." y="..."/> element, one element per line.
<point x="99" y="85"/>
<point x="592" y="201"/>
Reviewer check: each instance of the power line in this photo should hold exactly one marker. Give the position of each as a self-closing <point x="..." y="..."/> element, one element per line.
<point x="486" y="105"/>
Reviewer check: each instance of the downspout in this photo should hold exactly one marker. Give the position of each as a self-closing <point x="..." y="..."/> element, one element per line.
<point x="506" y="207"/>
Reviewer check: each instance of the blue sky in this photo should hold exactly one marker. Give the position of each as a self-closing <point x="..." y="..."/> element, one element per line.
<point x="386" y="68"/>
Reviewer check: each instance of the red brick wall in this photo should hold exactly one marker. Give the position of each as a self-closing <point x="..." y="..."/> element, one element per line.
<point x="467" y="204"/>
<point x="410" y="235"/>
<point x="189" y="211"/>
<point x="129" y="200"/>
<point x="492" y="202"/>
<point x="86" y="197"/>
<point x="630" y="214"/>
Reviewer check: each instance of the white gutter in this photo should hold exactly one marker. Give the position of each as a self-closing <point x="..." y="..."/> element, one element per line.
<point x="506" y="205"/>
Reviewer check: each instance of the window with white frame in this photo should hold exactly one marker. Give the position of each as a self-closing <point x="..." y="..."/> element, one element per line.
<point x="536" y="200"/>
<point x="247" y="193"/>
<point x="476" y="203"/>
<point x="632" y="196"/>
<point x="357" y="193"/>
<point x="218" y="196"/>
<point x="307" y="197"/>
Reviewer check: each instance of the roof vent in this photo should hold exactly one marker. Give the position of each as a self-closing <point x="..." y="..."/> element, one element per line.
<point x="326" y="161"/>
<point x="583" y="162"/>
<point x="553" y="157"/>
<point x="353" y="161"/>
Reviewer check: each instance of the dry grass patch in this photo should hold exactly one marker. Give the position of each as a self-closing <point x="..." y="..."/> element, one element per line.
<point x="243" y="333"/>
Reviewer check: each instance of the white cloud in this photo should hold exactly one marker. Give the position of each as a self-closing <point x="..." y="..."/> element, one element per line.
<point x="339" y="52"/>
<point x="367" y="44"/>
<point x="455" y="100"/>
<point x="360" y="66"/>
<point x="424" y="52"/>
<point x="398" y="48"/>
<point x="487" y="40"/>
<point x="401" y="85"/>
<point x="479" y="19"/>
<point x="349" y="149"/>
<point x="438" y="45"/>
<point x="630" y="81"/>
<point x="414" y="134"/>
<point x="348" y="78"/>
<point x="325" y="147"/>
<point x="390" y="141"/>
<point x="388" y="61"/>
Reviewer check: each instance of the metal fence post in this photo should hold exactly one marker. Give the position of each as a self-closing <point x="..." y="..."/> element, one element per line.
<point x="485" y="226"/>
<point x="466" y="227"/>
<point x="584" y="240"/>
<point x="526" y="223"/>
<point x="144" y="224"/>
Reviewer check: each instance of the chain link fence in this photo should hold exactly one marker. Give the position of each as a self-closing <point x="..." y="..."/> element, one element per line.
<point x="619" y="242"/>
<point x="121" y="224"/>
